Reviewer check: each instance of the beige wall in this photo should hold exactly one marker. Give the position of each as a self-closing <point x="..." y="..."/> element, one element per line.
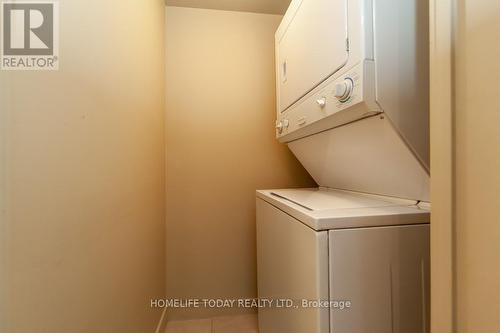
<point x="220" y="149"/>
<point x="477" y="145"/>
<point x="465" y="167"/>
<point x="82" y="176"/>
<point x="442" y="160"/>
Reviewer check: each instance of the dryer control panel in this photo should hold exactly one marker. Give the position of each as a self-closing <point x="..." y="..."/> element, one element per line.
<point x="346" y="97"/>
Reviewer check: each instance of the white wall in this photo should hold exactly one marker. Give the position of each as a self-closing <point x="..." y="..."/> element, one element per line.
<point x="82" y="176"/>
<point x="221" y="147"/>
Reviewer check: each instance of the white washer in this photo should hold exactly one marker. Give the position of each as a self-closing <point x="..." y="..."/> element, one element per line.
<point x="335" y="245"/>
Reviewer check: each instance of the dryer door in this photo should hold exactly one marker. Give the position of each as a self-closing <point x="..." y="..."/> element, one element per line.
<point x="311" y="45"/>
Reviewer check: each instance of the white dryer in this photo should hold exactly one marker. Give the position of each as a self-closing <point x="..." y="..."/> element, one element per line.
<point x="338" y="61"/>
<point x="353" y="93"/>
<point x="340" y="246"/>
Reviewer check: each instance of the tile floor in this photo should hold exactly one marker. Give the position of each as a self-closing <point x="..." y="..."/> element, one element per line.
<point x="230" y="324"/>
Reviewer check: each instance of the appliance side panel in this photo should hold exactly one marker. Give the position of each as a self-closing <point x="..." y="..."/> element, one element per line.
<point x="402" y="69"/>
<point x="292" y="263"/>
<point x="365" y="156"/>
<point x="384" y="273"/>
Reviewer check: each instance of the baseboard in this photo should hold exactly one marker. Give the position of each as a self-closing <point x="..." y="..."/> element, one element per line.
<point x="162" y="324"/>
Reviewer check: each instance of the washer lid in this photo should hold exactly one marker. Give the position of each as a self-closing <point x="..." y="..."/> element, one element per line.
<point x="323" y="199"/>
<point x="326" y="209"/>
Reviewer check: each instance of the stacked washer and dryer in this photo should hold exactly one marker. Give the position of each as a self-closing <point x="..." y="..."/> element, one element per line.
<point x="353" y="106"/>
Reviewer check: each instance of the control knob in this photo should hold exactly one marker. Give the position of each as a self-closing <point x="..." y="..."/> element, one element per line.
<point x="343" y="90"/>
<point x="321" y="102"/>
<point x="279" y="127"/>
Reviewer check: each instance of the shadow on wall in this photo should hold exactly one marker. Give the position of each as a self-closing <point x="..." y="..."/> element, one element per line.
<point x="221" y="147"/>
